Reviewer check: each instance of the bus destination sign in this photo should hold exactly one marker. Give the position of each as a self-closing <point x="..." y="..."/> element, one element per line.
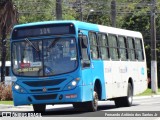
<point x="43" y="30"/>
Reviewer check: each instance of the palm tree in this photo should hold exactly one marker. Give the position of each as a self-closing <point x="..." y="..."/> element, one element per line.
<point x="8" y="17"/>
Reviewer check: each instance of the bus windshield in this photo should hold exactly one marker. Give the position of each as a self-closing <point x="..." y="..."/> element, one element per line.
<point x="44" y="57"/>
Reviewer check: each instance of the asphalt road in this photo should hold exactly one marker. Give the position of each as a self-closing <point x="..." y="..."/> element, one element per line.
<point x="144" y="108"/>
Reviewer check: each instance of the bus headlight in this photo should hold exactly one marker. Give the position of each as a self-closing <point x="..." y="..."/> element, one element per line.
<point x="18" y="88"/>
<point x="72" y="84"/>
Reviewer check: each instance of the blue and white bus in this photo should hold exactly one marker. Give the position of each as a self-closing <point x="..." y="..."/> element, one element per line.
<point x="61" y="62"/>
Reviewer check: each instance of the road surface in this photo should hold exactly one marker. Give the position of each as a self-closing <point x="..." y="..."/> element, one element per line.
<point x="144" y="108"/>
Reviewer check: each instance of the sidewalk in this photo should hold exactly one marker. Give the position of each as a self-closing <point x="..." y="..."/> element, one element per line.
<point x="4" y="107"/>
<point x="147" y="96"/>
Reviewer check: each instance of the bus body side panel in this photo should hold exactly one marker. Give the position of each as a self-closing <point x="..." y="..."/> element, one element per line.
<point x="142" y="78"/>
<point x="95" y="71"/>
<point x="98" y="75"/>
<point x="118" y="73"/>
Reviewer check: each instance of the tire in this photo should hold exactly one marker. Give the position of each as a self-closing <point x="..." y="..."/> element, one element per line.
<point x="93" y="105"/>
<point x="78" y="105"/>
<point x="125" y="101"/>
<point x="39" y="108"/>
<point x="88" y="106"/>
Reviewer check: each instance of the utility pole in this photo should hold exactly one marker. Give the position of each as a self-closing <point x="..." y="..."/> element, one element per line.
<point x="154" y="85"/>
<point x="81" y="10"/>
<point x="59" y="9"/>
<point x="113" y="13"/>
<point x="3" y="53"/>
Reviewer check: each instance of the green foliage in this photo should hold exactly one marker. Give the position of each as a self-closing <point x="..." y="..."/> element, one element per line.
<point x="6" y="102"/>
<point x="148" y="92"/>
<point x="33" y="11"/>
<point x="69" y="13"/>
<point x="140" y="21"/>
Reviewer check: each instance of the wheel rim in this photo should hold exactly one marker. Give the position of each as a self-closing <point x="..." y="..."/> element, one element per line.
<point x="95" y="101"/>
<point x="130" y="94"/>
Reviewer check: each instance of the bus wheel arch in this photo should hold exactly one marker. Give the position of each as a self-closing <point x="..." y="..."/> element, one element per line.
<point x="93" y="104"/>
<point x="130" y="80"/>
<point x="127" y="100"/>
<point x="98" y="88"/>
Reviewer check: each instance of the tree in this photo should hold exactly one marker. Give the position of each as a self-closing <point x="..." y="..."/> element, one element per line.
<point x="35" y="10"/>
<point x="59" y="9"/>
<point x="140" y="21"/>
<point x="8" y="18"/>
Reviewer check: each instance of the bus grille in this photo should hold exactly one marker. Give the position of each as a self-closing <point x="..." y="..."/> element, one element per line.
<point x="41" y="90"/>
<point x="44" y="83"/>
<point x="45" y="97"/>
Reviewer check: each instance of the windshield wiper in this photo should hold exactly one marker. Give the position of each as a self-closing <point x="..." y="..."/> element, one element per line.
<point x="53" y="43"/>
<point x="29" y="42"/>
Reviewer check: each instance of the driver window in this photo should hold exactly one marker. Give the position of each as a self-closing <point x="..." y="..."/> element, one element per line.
<point x="84" y="51"/>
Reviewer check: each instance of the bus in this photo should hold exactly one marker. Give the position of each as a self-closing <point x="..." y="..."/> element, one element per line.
<point x="74" y="62"/>
<point x="7" y="72"/>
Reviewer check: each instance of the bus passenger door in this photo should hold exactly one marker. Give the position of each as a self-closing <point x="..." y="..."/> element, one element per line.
<point x="86" y="67"/>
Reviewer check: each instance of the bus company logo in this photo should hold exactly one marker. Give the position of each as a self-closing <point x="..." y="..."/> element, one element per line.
<point x="108" y="70"/>
<point x="142" y="71"/>
<point x="44" y="90"/>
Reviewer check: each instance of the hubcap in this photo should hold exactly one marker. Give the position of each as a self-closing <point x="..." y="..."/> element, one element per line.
<point x="130" y="95"/>
<point x="95" y="99"/>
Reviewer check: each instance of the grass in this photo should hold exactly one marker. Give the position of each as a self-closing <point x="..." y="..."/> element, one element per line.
<point x="149" y="92"/>
<point x="6" y="102"/>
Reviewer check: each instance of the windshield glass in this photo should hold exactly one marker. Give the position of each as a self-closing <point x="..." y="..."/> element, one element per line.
<point x="44" y="57"/>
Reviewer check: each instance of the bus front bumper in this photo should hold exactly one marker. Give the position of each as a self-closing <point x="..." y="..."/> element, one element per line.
<point x="63" y="97"/>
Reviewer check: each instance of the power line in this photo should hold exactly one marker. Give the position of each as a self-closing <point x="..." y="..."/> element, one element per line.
<point x="77" y="5"/>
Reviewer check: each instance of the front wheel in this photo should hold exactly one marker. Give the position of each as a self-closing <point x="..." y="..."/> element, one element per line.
<point x="125" y="101"/>
<point x="93" y="105"/>
<point x="88" y="106"/>
<point x="39" y="108"/>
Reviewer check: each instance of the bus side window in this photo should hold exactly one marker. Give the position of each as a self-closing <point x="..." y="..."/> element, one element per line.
<point x="139" y="49"/>
<point x="103" y="46"/>
<point x="122" y="48"/>
<point x="113" y="47"/>
<point x="84" y="51"/>
<point x="131" y="50"/>
<point x="93" y="45"/>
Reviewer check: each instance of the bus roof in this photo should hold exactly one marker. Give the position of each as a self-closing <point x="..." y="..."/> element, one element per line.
<point x="88" y="26"/>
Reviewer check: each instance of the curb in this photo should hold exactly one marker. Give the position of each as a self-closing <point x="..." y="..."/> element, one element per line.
<point x="151" y="96"/>
<point x="3" y="106"/>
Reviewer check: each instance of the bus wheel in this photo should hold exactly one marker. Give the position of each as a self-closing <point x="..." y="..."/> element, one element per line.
<point x="125" y="101"/>
<point x="77" y="105"/>
<point x="129" y="97"/>
<point x="93" y="105"/>
<point x="39" y="108"/>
